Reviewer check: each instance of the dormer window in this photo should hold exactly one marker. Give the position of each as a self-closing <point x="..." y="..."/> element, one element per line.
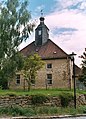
<point x="39" y="32"/>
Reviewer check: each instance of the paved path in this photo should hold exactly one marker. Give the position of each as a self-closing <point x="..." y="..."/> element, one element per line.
<point x="48" y="117"/>
<point x="80" y="117"/>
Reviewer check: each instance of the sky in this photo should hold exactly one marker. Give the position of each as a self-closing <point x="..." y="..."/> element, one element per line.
<point x="66" y="20"/>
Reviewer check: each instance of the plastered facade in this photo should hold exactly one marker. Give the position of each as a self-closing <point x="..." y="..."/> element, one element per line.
<point x="60" y="71"/>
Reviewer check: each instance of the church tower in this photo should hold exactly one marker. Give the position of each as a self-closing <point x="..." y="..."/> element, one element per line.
<point x="41" y="33"/>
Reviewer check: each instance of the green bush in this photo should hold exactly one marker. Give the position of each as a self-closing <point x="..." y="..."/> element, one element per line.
<point x="11" y="94"/>
<point x="65" y="99"/>
<point x="38" y="99"/>
<point x="84" y="109"/>
<point x="40" y="110"/>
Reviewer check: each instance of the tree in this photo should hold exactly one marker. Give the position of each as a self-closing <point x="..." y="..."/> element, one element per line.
<point x="31" y="65"/>
<point x="82" y="78"/>
<point x="10" y="67"/>
<point x="15" y="27"/>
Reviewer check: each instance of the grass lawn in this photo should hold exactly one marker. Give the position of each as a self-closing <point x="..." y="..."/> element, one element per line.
<point x="50" y="92"/>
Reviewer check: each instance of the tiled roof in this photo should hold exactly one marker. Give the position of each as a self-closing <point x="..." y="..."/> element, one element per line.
<point x="46" y="51"/>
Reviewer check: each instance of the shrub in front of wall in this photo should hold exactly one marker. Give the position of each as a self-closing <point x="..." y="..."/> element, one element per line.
<point x="38" y="99"/>
<point x="84" y="109"/>
<point x="11" y="94"/>
<point x="65" y="99"/>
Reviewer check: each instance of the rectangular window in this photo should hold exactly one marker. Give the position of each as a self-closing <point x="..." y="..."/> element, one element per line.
<point x="49" y="65"/>
<point x="18" y="79"/>
<point x="49" y="78"/>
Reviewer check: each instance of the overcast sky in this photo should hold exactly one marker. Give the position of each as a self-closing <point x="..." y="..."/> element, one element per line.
<point x="66" y="20"/>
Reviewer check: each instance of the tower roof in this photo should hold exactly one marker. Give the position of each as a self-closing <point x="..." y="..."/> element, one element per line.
<point x="42" y="24"/>
<point x="42" y="19"/>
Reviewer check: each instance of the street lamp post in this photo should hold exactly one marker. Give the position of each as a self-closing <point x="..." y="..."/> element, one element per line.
<point x="73" y="59"/>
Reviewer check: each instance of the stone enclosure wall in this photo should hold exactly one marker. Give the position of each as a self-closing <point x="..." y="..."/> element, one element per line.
<point x="25" y="101"/>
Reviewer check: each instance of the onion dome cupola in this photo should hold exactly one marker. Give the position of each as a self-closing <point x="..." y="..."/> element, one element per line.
<point x="41" y="33"/>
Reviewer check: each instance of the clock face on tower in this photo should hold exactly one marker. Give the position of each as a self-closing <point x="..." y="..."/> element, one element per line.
<point x="39" y="32"/>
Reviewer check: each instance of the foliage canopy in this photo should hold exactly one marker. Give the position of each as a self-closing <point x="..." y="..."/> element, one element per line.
<point x="82" y="78"/>
<point x="15" y="27"/>
<point x="31" y="65"/>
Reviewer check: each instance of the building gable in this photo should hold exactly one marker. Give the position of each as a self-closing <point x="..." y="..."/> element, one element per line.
<point x="46" y="51"/>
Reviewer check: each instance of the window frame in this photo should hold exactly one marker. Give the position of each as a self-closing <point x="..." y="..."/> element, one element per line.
<point x="49" y="79"/>
<point x="18" y="79"/>
<point x="49" y="66"/>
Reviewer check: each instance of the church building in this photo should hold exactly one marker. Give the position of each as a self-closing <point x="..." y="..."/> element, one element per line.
<point x="58" y="69"/>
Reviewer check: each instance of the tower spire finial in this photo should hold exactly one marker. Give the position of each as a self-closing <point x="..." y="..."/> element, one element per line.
<point x="42" y="13"/>
<point x="41" y="18"/>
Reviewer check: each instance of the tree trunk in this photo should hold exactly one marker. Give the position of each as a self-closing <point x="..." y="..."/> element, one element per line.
<point x="29" y="86"/>
<point x="24" y="84"/>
